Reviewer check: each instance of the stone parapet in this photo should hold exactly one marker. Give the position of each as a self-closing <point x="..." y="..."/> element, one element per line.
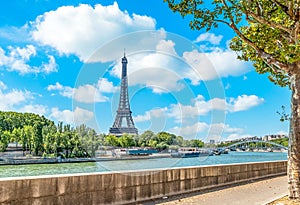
<point x="129" y="186"/>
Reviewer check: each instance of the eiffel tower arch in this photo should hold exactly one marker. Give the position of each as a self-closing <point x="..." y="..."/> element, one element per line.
<point x="123" y="122"/>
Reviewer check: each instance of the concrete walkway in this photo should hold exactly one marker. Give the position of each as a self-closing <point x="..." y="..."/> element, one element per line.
<point x="256" y="193"/>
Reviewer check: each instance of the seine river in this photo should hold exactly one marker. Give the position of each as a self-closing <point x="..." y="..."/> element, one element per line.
<point x="67" y="168"/>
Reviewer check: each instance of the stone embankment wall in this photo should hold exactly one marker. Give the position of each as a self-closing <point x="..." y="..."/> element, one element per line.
<point x="131" y="186"/>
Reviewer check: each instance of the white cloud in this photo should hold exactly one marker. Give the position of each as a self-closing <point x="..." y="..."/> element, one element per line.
<point x="235" y="136"/>
<point x="244" y="102"/>
<point x="166" y="46"/>
<point x="65" y="91"/>
<point x="214" y="64"/>
<point x="105" y="86"/>
<point x="200" y="107"/>
<point x="91" y="33"/>
<point x="2" y="86"/>
<point x="12" y="98"/>
<point x="226" y="63"/>
<point x="57" y="86"/>
<point x="151" y="115"/>
<point x="78" y="116"/>
<point x="201" y="67"/>
<point x="142" y="118"/>
<point x="88" y="93"/>
<point x="150" y="68"/>
<point x="190" y="131"/>
<point x="204" y="130"/>
<point x="15" y="34"/>
<point x="79" y="30"/>
<point x="37" y="109"/>
<point x="18" y="59"/>
<point x="154" y="70"/>
<point x="49" y="67"/>
<point x="216" y="129"/>
<point x="82" y="29"/>
<point x="210" y="37"/>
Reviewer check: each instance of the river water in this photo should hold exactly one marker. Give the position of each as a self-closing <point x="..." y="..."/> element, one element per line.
<point x="67" y="168"/>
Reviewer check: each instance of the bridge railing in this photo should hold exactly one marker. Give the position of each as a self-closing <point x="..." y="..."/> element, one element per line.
<point x="251" y="141"/>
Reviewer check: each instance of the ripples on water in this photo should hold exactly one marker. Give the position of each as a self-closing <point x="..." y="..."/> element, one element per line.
<point x="67" y="168"/>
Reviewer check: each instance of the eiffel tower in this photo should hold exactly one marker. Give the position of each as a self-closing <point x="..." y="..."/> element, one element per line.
<point x="123" y="113"/>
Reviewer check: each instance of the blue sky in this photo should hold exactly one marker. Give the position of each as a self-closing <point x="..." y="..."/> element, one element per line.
<point x="61" y="59"/>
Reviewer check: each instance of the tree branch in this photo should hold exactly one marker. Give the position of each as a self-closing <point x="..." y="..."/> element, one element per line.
<point x="268" y="23"/>
<point x="284" y="8"/>
<point x="268" y="59"/>
<point x="296" y="31"/>
<point x="222" y="21"/>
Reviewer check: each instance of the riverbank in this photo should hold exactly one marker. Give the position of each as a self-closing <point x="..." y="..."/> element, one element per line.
<point x="36" y="160"/>
<point x="23" y="160"/>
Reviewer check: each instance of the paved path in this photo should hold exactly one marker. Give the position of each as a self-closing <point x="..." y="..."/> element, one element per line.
<point x="256" y="193"/>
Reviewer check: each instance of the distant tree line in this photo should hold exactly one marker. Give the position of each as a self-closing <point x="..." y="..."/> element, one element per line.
<point x="40" y="136"/>
<point x="160" y="141"/>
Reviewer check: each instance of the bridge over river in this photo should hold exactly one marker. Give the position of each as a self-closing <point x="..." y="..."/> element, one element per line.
<point x="247" y="143"/>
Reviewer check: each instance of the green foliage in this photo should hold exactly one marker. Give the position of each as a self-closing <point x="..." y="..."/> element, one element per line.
<point x="4" y="140"/>
<point x="186" y="143"/>
<point x="225" y="144"/>
<point x="39" y="136"/>
<point x="111" y="140"/>
<point x="89" y="140"/>
<point x="282" y="141"/>
<point x="126" y="140"/>
<point x="268" y="31"/>
<point x="197" y="143"/>
<point x="145" y="138"/>
<point x="283" y="115"/>
<point x="159" y="141"/>
<point x="11" y="120"/>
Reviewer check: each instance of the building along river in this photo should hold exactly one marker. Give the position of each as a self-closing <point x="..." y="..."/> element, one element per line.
<point x="139" y="164"/>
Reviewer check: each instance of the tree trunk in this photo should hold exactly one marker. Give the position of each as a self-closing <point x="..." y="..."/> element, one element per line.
<point x="294" y="138"/>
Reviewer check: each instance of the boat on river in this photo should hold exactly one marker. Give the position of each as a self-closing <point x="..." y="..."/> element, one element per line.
<point x="191" y="152"/>
<point x="132" y="152"/>
<point x="141" y="151"/>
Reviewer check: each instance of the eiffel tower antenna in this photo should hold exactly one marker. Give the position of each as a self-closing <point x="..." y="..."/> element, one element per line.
<point x="123" y="122"/>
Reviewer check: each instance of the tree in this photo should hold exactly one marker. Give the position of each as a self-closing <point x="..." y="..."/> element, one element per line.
<point x="90" y="140"/>
<point x="18" y="135"/>
<point x="197" y="143"/>
<point x="178" y="141"/>
<point x="165" y="137"/>
<point x="268" y="35"/>
<point x="186" y="143"/>
<point x="49" y="143"/>
<point x="111" y="140"/>
<point x="28" y="138"/>
<point x="145" y="138"/>
<point x="4" y="140"/>
<point x="126" y="140"/>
